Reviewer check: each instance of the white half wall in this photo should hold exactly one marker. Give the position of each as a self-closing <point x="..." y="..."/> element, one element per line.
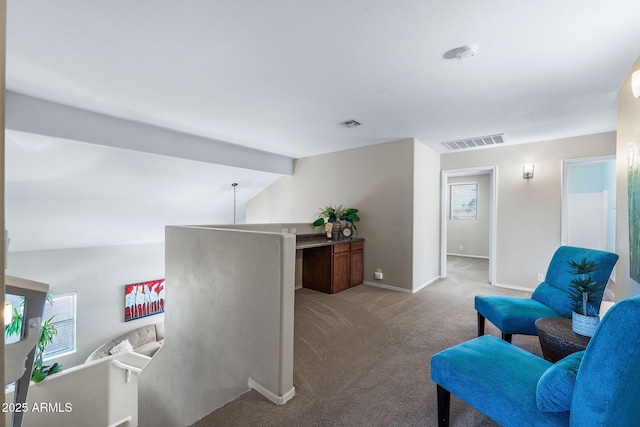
<point x="229" y="324"/>
<point x="98" y="276"/>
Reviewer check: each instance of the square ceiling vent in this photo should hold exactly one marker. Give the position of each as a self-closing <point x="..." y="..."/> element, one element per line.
<point x="476" y="142"/>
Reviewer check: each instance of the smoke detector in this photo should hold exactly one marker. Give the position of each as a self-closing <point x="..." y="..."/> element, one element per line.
<point x="465" y="52"/>
<point x="350" y="123"/>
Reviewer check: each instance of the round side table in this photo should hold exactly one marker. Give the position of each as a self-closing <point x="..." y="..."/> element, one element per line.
<point x="557" y="340"/>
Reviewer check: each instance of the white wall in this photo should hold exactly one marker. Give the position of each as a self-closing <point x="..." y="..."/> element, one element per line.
<point x="628" y="132"/>
<point x="426" y="216"/>
<point x="98" y="276"/>
<point x="529" y="211"/>
<point x="379" y="181"/>
<point x="472" y="235"/>
<point x="230" y="319"/>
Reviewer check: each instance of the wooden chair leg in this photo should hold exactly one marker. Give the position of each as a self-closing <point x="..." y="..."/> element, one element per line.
<point x="480" y="324"/>
<point x="506" y="337"/>
<point x="444" y="400"/>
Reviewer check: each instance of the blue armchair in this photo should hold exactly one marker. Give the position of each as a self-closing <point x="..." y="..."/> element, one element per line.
<point x="513" y="315"/>
<point x="595" y="387"/>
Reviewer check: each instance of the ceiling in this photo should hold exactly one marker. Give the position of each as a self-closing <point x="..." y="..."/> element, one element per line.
<point x="66" y="194"/>
<point x="281" y="75"/>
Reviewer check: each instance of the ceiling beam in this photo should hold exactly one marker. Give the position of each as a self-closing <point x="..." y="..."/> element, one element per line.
<point x="34" y="115"/>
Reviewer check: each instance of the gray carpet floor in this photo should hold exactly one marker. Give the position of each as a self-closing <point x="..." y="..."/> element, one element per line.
<point x="361" y="357"/>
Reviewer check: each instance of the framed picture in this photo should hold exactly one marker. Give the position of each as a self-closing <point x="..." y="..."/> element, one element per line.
<point x="633" y="183"/>
<point x="143" y="299"/>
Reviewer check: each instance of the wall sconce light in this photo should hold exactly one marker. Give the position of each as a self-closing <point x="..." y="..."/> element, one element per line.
<point x="527" y="171"/>
<point x="635" y="83"/>
<point x="8" y="312"/>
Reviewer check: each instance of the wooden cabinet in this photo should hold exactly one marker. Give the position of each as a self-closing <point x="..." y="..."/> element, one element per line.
<point x="357" y="263"/>
<point x="333" y="268"/>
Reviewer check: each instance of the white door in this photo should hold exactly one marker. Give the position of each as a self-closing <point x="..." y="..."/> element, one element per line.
<point x="587" y="220"/>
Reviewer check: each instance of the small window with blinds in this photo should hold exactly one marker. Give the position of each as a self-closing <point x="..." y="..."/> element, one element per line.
<point x="63" y="316"/>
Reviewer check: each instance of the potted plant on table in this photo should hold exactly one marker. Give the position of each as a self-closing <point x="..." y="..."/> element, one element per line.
<point x="583" y="291"/>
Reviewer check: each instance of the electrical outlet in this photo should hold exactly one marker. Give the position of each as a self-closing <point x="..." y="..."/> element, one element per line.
<point x="285" y="230"/>
<point x="378" y="274"/>
<point x="293" y="230"/>
<point x="462" y="247"/>
<point x="540" y="277"/>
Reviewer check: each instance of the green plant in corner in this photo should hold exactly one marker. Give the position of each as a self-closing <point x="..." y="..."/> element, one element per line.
<point x="583" y="289"/>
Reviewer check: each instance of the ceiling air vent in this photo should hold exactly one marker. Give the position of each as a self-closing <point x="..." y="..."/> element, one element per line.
<point x="476" y="142"/>
<point x="350" y="123"/>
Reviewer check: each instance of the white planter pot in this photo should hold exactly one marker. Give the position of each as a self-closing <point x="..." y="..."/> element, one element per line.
<point x="584" y="325"/>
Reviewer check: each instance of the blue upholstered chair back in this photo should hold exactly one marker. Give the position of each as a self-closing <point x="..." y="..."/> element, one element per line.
<point x="608" y="382"/>
<point x="554" y="291"/>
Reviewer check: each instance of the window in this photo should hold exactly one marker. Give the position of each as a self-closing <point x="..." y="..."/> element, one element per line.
<point x="462" y="201"/>
<point x="63" y="311"/>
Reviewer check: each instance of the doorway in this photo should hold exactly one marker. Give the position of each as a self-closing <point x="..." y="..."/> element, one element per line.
<point x="465" y="178"/>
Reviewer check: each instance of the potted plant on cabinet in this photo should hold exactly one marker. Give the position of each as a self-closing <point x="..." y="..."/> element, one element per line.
<point x="330" y="216"/>
<point x="350" y="216"/>
<point x="583" y="291"/>
<point x="333" y="216"/>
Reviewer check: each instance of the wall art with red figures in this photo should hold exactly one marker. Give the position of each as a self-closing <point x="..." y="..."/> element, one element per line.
<point x="143" y="299"/>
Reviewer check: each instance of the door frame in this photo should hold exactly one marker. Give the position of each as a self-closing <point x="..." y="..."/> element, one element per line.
<point x="493" y="209"/>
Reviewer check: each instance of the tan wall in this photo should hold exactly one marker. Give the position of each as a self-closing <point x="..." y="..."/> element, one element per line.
<point x="379" y="181"/>
<point x="628" y="131"/>
<point x="529" y="211"/>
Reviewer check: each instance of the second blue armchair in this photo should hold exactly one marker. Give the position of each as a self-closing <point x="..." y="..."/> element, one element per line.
<point x="513" y="315"/>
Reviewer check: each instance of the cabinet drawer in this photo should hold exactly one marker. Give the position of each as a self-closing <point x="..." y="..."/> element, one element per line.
<point x="357" y="245"/>
<point x="342" y="247"/>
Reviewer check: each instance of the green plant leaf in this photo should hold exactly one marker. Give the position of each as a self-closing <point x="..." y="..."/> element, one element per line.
<point x="583" y="289"/>
<point x="15" y="326"/>
<point x="318" y="222"/>
<point x="38" y="376"/>
<point x="54" y="369"/>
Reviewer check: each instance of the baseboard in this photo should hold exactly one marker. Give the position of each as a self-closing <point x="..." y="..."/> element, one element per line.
<point x="468" y="256"/>
<point x="430" y="282"/>
<point x="397" y="289"/>
<point x="515" y="288"/>
<point x="391" y="288"/>
<point x="278" y="400"/>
